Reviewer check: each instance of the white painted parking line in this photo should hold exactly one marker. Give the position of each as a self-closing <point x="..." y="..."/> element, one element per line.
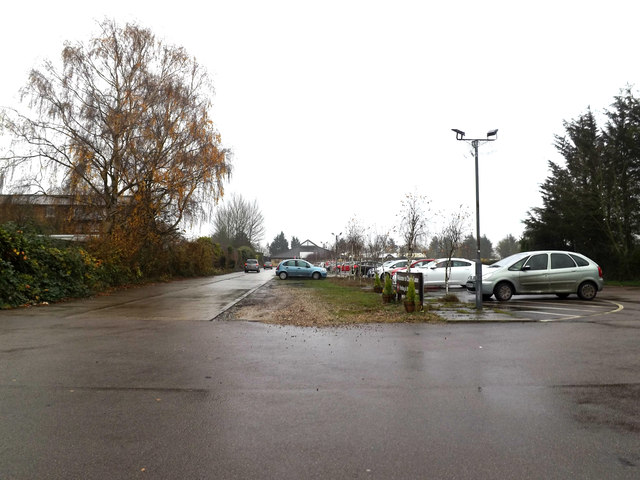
<point x="545" y="313"/>
<point x="559" y="319"/>
<point x="545" y="307"/>
<point x="563" y="306"/>
<point x="553" y="312"/>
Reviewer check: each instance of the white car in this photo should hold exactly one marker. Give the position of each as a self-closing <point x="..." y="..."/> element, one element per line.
<point x="459" y="272"/>
<point x="389" y="265"/>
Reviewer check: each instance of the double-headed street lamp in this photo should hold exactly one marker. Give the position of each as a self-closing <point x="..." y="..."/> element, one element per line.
<point x="491" y="136"/>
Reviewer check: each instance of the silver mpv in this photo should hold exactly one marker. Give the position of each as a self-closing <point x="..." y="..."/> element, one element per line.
<point x="551" y="271"/>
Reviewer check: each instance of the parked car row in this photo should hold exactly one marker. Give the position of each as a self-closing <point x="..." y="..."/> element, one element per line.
<point x="540" y="272"/>
<point x="556" y="272"/>
<point x="434" y="271"/>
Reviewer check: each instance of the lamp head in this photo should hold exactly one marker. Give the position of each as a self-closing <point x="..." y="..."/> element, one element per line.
<point x="492" y="133"/>
<point x="459" y="133"/>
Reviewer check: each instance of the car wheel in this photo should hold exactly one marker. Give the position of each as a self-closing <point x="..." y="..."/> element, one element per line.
<point x="587" y="291"/>
<point x="283" y="275"/>
<point x="503" y="291"/>
<point x="315" y="276"/>
<point x="562" y="295"/>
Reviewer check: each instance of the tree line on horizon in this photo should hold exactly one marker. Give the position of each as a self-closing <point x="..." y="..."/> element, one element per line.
<point x="377" y="245"/>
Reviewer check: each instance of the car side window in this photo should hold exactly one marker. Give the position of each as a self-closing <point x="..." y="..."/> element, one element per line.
<point x="460" y="263"/>
<point x="580" y="261"/>
<point x="538" y="262"/>
<point x="290" y="263"/>
<point x="560" y="260"/>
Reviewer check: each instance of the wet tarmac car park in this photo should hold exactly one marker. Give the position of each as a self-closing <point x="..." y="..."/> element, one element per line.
<point x="529" y="308"/>
<point x="151" y="383"/>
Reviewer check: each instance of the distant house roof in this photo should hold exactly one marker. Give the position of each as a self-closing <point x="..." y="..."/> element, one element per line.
<point x="306" y="249"/>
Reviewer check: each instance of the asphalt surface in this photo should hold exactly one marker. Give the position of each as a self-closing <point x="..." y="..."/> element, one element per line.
<point x="534" y="308"/>
<point x="144" y="384"/>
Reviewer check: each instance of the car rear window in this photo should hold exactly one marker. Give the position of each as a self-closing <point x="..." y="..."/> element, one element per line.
<point x="580" y="261"/>
<point x="460" y="263"/>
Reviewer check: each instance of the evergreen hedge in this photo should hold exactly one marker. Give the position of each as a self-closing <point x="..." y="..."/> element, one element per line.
<point x="35" y="269"/>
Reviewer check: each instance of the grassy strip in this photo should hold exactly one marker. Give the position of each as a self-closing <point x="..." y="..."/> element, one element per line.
<point x="347" y="301"/>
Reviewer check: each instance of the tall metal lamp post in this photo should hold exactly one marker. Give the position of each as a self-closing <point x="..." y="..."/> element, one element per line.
<point x="337" y="236"/>
<point x="491" y="136"/>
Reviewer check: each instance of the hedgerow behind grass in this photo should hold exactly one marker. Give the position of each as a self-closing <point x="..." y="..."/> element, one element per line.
<point x="35" y="269"/>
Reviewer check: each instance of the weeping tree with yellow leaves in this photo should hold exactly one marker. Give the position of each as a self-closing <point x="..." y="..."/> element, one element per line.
<point x="124" y="125"/>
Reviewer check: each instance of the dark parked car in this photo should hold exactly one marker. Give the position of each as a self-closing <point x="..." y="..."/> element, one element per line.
<point x="267" y="265"/>
<point x="251" y="265"/>
<point x="300" y="268"/>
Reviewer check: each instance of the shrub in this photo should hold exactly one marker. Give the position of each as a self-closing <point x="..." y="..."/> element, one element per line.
<point x="377" y="284"/>
<point x="192" y="258"/>
<point x="388" y="286"/>
<point x="410" y="297"/>
<point x="244" y="253"/>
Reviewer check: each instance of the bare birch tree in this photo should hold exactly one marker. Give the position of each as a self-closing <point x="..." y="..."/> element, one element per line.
<point x="413" y="222"/>
<point x="125" y="124"/>
<point x="452" y="237"/>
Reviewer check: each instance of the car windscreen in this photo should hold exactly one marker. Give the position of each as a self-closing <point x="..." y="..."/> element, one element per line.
<point x="508" y="261"/>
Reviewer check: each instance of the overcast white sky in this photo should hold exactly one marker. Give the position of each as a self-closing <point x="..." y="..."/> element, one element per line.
<point x="336" y="109"/>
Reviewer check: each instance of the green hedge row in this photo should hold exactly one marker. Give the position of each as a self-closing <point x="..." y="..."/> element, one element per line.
<point x="35" y="268"/>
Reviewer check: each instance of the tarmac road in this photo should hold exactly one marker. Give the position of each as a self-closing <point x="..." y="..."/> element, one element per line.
<point x="137" y="385"/>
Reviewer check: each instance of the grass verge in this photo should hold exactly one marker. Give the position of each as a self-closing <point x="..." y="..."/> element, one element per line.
<point x="326" y="303"/>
